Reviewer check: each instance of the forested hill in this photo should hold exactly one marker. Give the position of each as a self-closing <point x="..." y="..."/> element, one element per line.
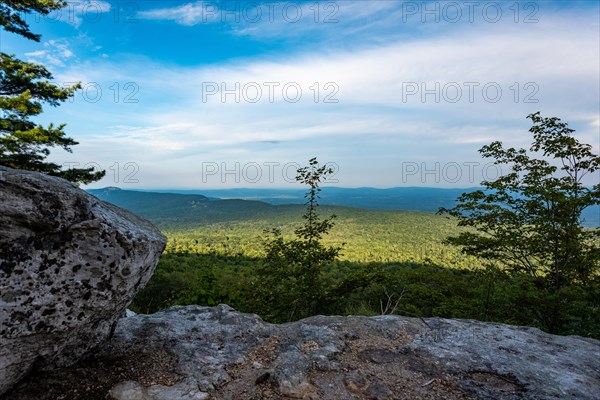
<point x="181" y="209"/>
<point x="243" y="204"/>
<point x="398" y="198"/>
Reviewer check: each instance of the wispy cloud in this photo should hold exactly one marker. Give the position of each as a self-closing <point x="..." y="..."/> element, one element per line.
<point x="187" y="14"/>
<point x="56" y="53"/>
<point x="290" y="19"/>
<point x="397" y="96"/>
<point x="79" y="11"/>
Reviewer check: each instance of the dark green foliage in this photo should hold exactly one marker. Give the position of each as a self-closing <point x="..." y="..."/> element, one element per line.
<point x="11" y="14"/>
<point x="184" y="278"/>
<point x="416" y="290"/>
<point x="24" y="86"/>
<point x="529" y="220"/>
<point x="288" y="284"/>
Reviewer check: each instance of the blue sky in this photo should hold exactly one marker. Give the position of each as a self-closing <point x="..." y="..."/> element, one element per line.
<point x="206" y="94"/>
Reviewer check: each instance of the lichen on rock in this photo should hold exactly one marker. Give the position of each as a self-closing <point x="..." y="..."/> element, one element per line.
<point x="193" y="352"/>
<point x="69" y="266"/>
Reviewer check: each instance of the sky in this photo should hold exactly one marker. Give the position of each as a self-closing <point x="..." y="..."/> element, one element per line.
<point x="200" y="94"/>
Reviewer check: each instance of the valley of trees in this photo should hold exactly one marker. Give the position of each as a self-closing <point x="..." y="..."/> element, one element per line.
<point x="515" y="252"/>
<point x="363" y="262"/>
<point x="396" y="256"/>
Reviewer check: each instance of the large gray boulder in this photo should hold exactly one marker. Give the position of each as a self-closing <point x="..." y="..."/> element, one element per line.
<point x="69" y="266"/>
<point x="198" y="353"/>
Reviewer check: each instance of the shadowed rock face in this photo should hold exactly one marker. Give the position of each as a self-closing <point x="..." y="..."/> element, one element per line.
<point x="195" y="353"/>
<point x="69" y="265"/>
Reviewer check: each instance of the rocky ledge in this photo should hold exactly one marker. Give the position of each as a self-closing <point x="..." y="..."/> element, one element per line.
<point x="217" y="353"/>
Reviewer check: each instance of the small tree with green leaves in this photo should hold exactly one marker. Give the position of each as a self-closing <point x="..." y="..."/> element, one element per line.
<point x="288" y="284"/>
<point x="530" y="219"/>
<point x="24" y="86"/>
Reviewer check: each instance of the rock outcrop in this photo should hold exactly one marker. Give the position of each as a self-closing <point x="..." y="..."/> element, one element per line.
<point x="193" y="352"/>
<point x="69" y="266"/>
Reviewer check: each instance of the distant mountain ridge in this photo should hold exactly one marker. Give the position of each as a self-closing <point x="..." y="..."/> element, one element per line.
<point x="245" y="203"/>
<point x="169" y="208"/>
<point x="399" y="198"/>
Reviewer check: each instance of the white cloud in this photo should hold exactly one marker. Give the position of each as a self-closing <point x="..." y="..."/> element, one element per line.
<point x="37" y="54"/>
<point x="173" y="128"/>
<point x="286" y="18"/>
<point x="187" y="14"/>
<point x="61" y="48"/>
<point x="80" y="11"/>
<point x="55" y="53"/>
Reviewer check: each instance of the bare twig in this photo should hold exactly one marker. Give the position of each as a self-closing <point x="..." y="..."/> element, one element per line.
<point x="390" y="306"/>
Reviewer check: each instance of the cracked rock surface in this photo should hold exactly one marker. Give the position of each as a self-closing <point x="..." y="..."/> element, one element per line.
<point x="69" y="266"/>
<point x="194" y="352"/>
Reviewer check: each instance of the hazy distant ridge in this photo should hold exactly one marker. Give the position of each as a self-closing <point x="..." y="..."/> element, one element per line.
<point x="237" y="202"/>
